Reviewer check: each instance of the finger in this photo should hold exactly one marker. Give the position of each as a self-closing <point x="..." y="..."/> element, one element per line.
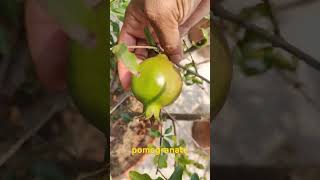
<point x="202" y="9"/>
<point x="48" y="46"/>
<point x="169" y="37"/>
<point x="124" y="73"/>
<point x="141" y="53"/>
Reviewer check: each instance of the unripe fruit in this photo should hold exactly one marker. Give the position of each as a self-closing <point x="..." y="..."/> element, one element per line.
<point x="222" y="69"/>
<point x="157" y="84"/>
<point x="88" y="73"/>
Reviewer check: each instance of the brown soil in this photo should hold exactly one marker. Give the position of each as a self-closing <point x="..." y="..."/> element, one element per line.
<point x="126" y="136"/>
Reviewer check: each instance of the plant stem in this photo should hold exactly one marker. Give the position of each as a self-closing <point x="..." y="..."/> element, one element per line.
<point x="178" y="116"/>
<point x="143" y="47"/>
<point x="162" y="175"/>
<point x="158" y="170"/>
<point x="276" y="40"/>
<point x="126" y="96"/>
<point x="194" y="73"/>
<point x="273" y="19"/>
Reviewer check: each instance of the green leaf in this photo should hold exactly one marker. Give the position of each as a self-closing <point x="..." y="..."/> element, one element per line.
<point x="182" y="143"/>
<point x="166" y="143"/>
<point x="256" y="61"/>
<point x="168" y="130"/>
<point x="184" y="160"/>
<point x="161" y="160"/>
<point x="159" y="178"/>
<point x="198" y="165"/>
<point x="177" y="174"/>
<point x="154" y="133"/>
<point x="129" y="59"/>
<point x="284" y="63"/>
<point x="171" y="137"/>
<point x="195" y="177"/>
<point x="134" y="175"/>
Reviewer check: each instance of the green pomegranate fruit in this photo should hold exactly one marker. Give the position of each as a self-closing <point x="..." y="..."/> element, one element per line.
<point x="157" y="84"/>
<point x="88" y="73"/>
<point x="222" y="69"/>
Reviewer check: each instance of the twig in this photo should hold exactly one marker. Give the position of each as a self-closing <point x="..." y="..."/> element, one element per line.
<point x="174" y="127"/>
<point x="178" y="116"/>
<point x="295" y="84"/>
<point x="194" y="73"/>
<point x="193" y="63"/>
<point x="192" y="60"/>
<point x="142" y="47"/>
<point x="160" y="147"/>
<point x="174" y="132"/>
<point x="276" y="40"/>
<point x="13" y="149"/>
<point x="203" y="62"/>
<point x="120" y="102"/>
<point x="273" y="19"/>
<point x="163" y="175"/>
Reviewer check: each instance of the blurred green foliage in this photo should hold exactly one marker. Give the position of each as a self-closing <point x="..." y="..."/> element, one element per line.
<point x="253" y="54"/>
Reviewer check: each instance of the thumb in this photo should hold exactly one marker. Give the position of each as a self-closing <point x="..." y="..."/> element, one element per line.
<point x="48" y="46"/>
<point x="167" y="30"/>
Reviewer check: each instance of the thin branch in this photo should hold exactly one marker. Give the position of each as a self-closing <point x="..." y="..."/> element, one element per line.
<point x="194" y="73"/>
<point x="295" y="84"/>
<point x="177" y="116"/>
<point x="142" y="47"/>
<point x="163" y="175"/>
<point x="174" y="127"/>
<point x="276" y="40"/>
<point x="174" y="132"/>
<point x="192" y="60"/>
<point x="126" y="96"/>
<point x="160" y="147"/>
<point x="203" y="62"/>
<point x="273" y="18"/>
<point x="30" y="133"/>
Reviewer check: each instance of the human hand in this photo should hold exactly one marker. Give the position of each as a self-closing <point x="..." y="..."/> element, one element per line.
<point x="48" y="46"/>
<point x="168" y="21"/>
<point x="48" y="43"/>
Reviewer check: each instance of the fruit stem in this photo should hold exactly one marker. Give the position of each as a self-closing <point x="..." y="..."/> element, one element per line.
<point x="143" y="47"/>
<point x="152" y="110"/>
